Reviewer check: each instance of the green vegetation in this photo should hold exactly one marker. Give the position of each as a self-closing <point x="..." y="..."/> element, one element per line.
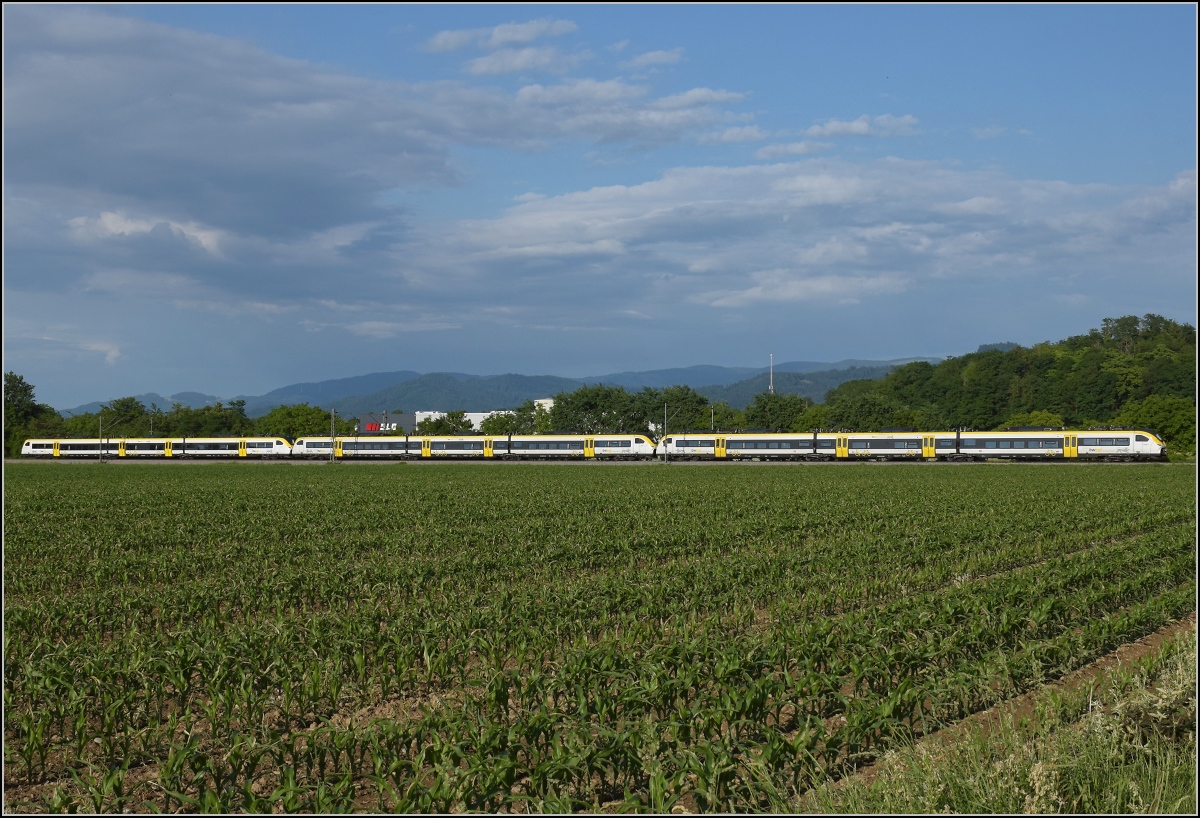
<point x="129" y="417"/>
<point x="438" y="638"/>
<point x="451" y="423"/>
<point x="1131" y="372"/>
<point x="1125" y="743"/>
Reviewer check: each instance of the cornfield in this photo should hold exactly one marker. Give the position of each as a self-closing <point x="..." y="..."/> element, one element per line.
<point x="529" y="639"/>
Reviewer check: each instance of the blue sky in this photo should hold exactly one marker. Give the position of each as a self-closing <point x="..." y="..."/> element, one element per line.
<point x="232" y="198"/>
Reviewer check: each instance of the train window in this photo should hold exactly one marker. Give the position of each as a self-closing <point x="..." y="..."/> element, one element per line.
<point x="1122" y="441"/>
<point x="1141" y="439"/>
<point x="989" y="444"/>
<point x="970" y="443"/>
<point x="1107" y="441"/>
<point x="858" y="444"/>
<point x="1005" y="444"/>
<point x="944" y="443"/>
<point x="826" y="444"/>
<point x="1018" y="444"/>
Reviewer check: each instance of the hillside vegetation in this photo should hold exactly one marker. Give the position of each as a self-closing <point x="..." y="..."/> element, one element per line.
<point x="1131" y="372"/>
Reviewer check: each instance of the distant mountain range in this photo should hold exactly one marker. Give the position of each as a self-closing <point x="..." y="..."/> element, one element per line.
<point x="443" y="391"/>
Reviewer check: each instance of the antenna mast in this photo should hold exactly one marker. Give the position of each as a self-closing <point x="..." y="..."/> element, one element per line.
<point x="771" y="383"/>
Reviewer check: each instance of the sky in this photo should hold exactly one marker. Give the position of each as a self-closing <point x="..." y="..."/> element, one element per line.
<point x="232" y="198"/>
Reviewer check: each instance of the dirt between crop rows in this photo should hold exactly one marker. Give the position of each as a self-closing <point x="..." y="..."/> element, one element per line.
<point x="1025" y="705"/>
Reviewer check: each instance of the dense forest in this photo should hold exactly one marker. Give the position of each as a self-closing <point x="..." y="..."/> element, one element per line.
<point x="1133" y="372"/>
<point x="1129" y="372"/>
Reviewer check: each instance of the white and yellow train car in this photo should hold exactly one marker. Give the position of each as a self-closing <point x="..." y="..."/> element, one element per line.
<point x="177" y="447"/>
<point x="1021" y="444"/>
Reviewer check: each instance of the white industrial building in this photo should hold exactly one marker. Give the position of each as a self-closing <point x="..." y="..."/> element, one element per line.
<point x="477" y="418"/>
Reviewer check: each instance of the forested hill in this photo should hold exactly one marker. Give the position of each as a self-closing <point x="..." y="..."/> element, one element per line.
<point x="1129" y="371"/>
<point x="812" y="385"/>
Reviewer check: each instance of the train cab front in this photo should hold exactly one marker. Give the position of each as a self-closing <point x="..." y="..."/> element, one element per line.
<point x="1149" y="444"/>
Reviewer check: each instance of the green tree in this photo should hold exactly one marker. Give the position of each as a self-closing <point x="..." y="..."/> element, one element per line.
<point x="451" y="423"/>
<point x="1038" y="417"/>
<point x="299" y="420"/>
<point x="543" y="420"/>
<point x="20" y="405"/>
<point x="869" y="412"/>
<point x="1174" y="418"/>
<point x="501" y="424"/>
<point x="812" y="419"/>
<point x="687" y="409"/>
<point x="598" y="409"/>
<point x="778" y="412"/>
<point x="24" y="417"/>
<point x="724" y="418"/>
<point x="124" y="417"/>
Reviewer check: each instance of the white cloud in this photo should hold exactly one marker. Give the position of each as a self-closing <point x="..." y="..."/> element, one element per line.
<point x="698" y="96"/>
<point x="791" y="149"/>
<point x="453" y="40"/>
<point x="654" y="58"/>
<point x="788" y="285"/>
<point x="501" y="36"/>
<point x="579" y="92"/>
<point x="109" y="224"/>
<point x="743" y="133"/>
<point x="990" y="205"/>
<point x="111" y="352"/>
<point x="882" y="125"/>
<point x="510" y="60"/>
<point x="813" y="230"/>
<point x="522" y="33"/>
<point x="390" y="329"/>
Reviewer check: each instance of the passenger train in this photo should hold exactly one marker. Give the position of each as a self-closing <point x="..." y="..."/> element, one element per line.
<point x="1014" y="444"/>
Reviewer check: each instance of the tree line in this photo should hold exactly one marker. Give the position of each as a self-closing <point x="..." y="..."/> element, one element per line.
<point x="1131" y="372"/>
<point x="24" y="418"/>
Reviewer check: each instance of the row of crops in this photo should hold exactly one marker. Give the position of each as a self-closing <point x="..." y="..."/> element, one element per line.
<point x="458" y="638"/>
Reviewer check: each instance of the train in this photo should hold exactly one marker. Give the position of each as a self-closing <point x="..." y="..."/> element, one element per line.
<point x="1025" y="443"/>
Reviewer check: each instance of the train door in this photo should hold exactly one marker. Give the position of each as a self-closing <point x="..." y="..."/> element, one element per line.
<point x="1071" y="446"/>
<point x="241" y="448"/>
<point x="121" y="447"/>
<point x="487" y="447"/>
<point x="589" y="447"/>
<point x="720" y="450"/>
<point x="56" y="448"/>
<point x="337" y="448"/>
<point x="167" y="448"/>
<point x="927" y="447"/>
<point x="426" y="447"/>
<point x="842" y="447"/>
